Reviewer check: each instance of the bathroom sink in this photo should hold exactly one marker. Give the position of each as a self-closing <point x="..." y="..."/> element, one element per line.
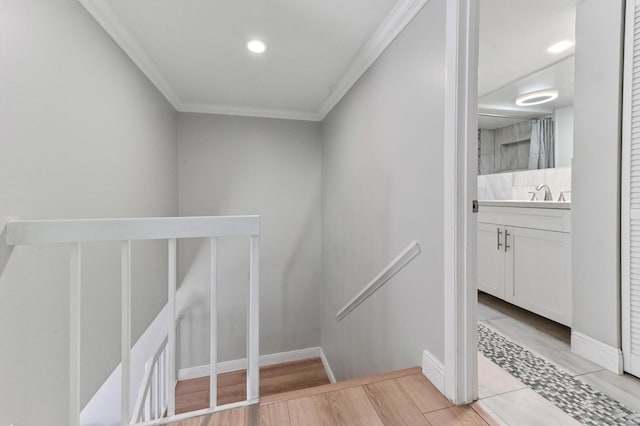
<point x="563" y="205"/>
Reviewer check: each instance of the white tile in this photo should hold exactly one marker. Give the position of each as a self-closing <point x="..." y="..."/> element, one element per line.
<point x="487" y="312"/>
<point x="525" y="408"/>
<point x="493" y="380"/>
<point x="500" y="185"/>
<point x="529" y="178"/>
<point x="553" y="350"/>
<point x="484" y="191"/>
<point x="624" y="389"/>
<point x="524" y="192"/>
<point x="517" y="185"/>
<point x="558" y="179"/>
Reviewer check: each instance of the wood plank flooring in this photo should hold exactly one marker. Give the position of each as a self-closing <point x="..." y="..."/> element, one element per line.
<point x="400" y="398"/>
<point x="193" y="394"/>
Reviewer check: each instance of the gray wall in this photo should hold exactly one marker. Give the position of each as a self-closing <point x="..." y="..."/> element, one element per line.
<point x="382" y="188"/>
<point x="563" y="118"/>
<point x="82" y="134"/>
<point x="596" y="171"/>
<point x="235" y="165"/>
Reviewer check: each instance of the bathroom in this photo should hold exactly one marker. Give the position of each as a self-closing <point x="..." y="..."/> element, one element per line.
<point x="525" y="150"/>
<point x="529" y="300"/>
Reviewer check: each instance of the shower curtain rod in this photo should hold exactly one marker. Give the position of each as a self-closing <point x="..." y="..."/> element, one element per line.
<point x="513" y="117"/>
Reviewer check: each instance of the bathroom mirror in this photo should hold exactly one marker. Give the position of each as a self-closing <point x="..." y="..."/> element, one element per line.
<point x="526" y="85"/>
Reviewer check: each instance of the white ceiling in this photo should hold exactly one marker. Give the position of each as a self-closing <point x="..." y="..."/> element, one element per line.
<point x="559" y="76"/>
<point x="513" y="57"/>
<point x="514" y="36"/>
<point x="194" y="50"/>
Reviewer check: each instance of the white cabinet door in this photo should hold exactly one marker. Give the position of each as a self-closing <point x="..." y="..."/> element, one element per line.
<point x="491" y="258"/>
<point x="540" y="279"/>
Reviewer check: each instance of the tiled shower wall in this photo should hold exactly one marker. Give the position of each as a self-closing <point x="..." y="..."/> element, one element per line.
<point x="517" y="185"/>
<point x="504" y="149"/>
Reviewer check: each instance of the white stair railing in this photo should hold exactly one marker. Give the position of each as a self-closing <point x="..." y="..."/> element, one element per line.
<point x="152" y="395"/>
<point x="158" y="392"/>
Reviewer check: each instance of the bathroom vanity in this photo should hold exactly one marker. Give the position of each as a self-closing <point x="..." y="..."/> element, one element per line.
<point x="524" y="255"/>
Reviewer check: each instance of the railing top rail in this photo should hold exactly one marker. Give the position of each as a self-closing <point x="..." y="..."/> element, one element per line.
<point x="40" y="232"/>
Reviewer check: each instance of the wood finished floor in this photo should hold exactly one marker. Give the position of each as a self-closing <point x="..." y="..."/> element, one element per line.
<point x="400" y="398"/>
<point x="193" y="394"/>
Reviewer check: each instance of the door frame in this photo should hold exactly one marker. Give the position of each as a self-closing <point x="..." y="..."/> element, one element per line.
<point x="460" y="189"/>
<point x="625" y="189"/>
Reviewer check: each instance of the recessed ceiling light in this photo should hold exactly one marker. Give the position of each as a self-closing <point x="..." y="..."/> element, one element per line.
<point x="560" y="46"/>
<point x="536" y="98"/>
<point x="257" y="46"/>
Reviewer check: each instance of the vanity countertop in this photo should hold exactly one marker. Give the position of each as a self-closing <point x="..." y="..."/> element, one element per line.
<point x="562" y="205"/>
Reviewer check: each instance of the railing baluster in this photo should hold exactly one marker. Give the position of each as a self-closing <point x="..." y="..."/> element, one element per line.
<point x="125" y="401"/>
<point x="75" y="282"/>
<point x="152" y="393"/>
<point x="156" y="405"/>
<point x="171" y="345"/>
<point x="213" y="327"/>
<point x="163" y="384"/>
<point x="253" y="322"/>
<point x="165" y="380"/>
<point x="156" y="397"/>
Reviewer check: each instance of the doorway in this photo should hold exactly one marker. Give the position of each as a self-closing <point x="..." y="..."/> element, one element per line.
<point x="526" y="331"/>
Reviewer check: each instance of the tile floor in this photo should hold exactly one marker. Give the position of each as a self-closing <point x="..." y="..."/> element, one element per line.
<point x="513" y="402"/>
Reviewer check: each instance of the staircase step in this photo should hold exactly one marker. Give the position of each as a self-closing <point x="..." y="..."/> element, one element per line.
<point x="398" y="398"/>
<point x="338" y="386"/>
<point x="193" y="394"/>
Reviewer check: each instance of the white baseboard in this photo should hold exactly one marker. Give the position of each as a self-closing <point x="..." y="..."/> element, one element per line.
<point x="595" y="351"/>
<point x="327" y="367"/>
<point x="433" y="370"/>
<point x="241" y="364"/>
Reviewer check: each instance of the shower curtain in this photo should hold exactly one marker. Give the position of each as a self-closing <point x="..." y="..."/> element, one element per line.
<point x="542" y="146"/>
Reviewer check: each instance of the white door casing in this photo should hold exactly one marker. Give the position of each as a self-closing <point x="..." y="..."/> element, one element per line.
<point x="630" y="198"/>
<point x="460" y="188"/>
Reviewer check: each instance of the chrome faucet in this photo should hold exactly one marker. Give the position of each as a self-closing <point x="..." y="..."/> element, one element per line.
<point x="547" y="192"/>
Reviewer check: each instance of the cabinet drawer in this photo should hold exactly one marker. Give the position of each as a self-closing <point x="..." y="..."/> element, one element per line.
<point x="545" y="219"/>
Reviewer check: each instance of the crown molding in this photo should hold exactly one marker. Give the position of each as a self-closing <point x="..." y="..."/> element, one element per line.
<point x="110" y="21"/>
<point x="249" y="111"/>
<point x="391" y="27"/>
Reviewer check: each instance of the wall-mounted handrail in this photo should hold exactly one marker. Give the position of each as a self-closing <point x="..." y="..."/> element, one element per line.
<point x="396" y="265"/>
<point x="77" y="231"/>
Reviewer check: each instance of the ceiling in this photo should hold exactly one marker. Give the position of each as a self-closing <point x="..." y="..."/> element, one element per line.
<point x="194" y="50"/>
<point x="513" y="57"/>
<point x="515" y="35"/>
<point x="559" y="76"/>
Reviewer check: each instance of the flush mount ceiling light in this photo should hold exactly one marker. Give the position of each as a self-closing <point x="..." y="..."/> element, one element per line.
<point x="257" y="46"/>
<point x="560" y="46"/>
<point x="536" y="98"/>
